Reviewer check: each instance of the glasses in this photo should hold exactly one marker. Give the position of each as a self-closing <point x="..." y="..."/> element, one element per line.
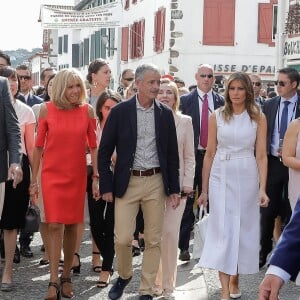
<point x="280" y="83"/>
<point x="206" y="75"/>
<point x="129" y="79"/>
<point x="256" y="83"/>
<point x="24" y="77"/>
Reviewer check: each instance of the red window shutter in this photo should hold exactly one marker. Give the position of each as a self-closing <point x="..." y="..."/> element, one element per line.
<point x="126" y="6"/>
<point x="141" y="38"/>
<point x="132" y="41"/>
<point x="157" y="30"/>
<point x="218" y="22"/>
<point x="124" y="44"/>
<point x="265" y="23"/>
<point x="162" y="30"/>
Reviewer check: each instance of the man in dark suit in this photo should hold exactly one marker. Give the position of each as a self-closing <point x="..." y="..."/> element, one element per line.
<point x="279" y="111"/>
<point x="192" y="104"/>
<point x="10" y="138"/>
<point x="25" y="78"/>
<point x="257" y="85"/>
<point x="142" y="131"/>
<point x="285" y="260"/>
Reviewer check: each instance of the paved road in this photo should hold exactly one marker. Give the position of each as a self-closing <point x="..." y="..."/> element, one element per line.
<point x="31" y="280"/>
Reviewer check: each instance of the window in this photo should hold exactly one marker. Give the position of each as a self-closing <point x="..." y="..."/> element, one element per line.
<point x="126" y="6"/>
<point x="267" y="23"/>
<point x="218" y="22"/>
<point x="124" y="43"/>
<point x="159" y="30"/>
<point x="111" y="41"/>
<point x="137" y="30"/>
<point x="65" y="43"/>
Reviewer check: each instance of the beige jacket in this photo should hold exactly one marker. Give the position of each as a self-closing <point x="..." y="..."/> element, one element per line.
<point x="185" y="139"/>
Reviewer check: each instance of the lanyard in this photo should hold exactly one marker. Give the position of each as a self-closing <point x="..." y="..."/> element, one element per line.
<point x="279" y="114"/>
<point x="207" y="100"/>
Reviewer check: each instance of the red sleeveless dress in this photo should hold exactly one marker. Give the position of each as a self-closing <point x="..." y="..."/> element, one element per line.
<point x="64" y="135"/>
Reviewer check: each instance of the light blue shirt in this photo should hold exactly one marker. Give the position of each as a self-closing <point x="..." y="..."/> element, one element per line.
<point x="291" y="116"/>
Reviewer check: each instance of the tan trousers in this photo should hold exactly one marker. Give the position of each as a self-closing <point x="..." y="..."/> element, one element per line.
<point x="149" y="192"/>
<point x="166" y="276"/>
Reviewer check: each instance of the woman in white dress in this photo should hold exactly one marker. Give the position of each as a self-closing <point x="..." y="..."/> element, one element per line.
<point x="234" y="181"/>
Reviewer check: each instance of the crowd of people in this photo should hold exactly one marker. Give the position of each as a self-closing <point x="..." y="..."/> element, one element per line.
<point x="143" y="158"/>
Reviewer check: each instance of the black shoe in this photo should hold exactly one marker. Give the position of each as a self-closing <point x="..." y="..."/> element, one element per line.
<point x="145" y="297"/>
<point x="136" y="251"/>
<point x="184" y="255"/>
<point x="26" y="251"/>
<point x="262" y="260"/>
<point x="76" y="269"/>
<point x="17" y="257"/>
<point x="116" y="291"/>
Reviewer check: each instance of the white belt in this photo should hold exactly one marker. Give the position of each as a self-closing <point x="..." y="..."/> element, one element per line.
<point x="233" y="155"/>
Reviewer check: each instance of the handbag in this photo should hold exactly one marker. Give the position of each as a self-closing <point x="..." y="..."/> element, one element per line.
<point x="32" y="218"/>
<point x="200" y="229"/>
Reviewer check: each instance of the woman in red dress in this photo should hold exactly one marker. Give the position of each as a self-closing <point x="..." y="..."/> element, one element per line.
<point x="65" y="126"/>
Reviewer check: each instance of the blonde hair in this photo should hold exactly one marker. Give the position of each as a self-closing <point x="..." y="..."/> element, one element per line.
<point x="174" y="88"/>
<point x="60" y="84"/>
<point x="251" y="106"/>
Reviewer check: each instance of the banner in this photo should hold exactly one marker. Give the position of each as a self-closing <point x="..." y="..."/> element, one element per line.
<point x="56" y="17"/>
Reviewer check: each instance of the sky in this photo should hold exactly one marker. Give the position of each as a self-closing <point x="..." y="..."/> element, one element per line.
<point x="19" y="23"/>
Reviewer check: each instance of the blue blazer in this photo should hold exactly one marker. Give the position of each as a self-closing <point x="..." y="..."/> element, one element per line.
<point x="270" y="108"/>
<point x="120" y="133"/>
<point x="33" y="99"/>
<point x="189" y="105"/>
<point x="287" y="252"/>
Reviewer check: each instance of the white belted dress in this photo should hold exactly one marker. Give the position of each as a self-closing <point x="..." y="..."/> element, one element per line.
<point x="232" y="238"/>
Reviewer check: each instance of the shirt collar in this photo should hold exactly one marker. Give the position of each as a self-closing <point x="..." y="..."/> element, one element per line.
<point x="140" y="107"/>
<point x="293" y="100"/>
<point x="201" y="94"/>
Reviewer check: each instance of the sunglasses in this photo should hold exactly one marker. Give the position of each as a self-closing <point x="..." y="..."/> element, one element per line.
<point x="129" y="79"/>
<point x="256" y="83"/>
<point x="206" y="75"/>
<point x="24" y="77"/>
<point x="280" y="83"/>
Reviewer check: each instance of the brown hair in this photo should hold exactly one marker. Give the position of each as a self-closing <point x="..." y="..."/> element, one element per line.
<point x="251" y="106"/>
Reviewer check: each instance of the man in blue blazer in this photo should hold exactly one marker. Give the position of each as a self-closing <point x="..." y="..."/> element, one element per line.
<point x="278" y="174"/>
<point x="142" y="132"/>
<point x="191" y="104"/>
<point x="24" y="75"/>
<point x="285" y="260"/>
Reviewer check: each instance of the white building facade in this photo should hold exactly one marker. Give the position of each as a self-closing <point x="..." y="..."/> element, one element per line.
<point x="176" y="35"/>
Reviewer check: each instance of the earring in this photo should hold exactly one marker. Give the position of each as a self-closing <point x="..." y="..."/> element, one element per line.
<point x="95" y="83"/>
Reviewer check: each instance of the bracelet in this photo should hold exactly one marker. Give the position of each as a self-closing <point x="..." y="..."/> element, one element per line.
<point x="95" y="176"/>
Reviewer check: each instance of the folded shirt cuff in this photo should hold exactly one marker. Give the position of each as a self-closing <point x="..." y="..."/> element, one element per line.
<point x="274" y="270"/>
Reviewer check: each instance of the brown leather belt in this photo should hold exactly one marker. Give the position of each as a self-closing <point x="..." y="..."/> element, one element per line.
<point x="148" y="172"/>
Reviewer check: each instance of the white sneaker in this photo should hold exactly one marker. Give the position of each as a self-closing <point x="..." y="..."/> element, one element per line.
<point x="169" y="296"/>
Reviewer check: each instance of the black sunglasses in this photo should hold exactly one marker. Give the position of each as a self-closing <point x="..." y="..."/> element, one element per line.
<point x="24" y="77"/>
<point x="206" y="75"/>
<point x="280" y="83"/>
<point x="256" y="83"/>
<point x="128" y="79"/>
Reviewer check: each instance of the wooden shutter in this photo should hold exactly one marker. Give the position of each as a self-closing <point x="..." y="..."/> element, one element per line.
<point x="124" y="44"/>
<point x="132" y="40"/>
<point x="140" y="38"/>
<point x="265" y="23"/>
<point x="75" y="55"/>
<point x="86" y="51"/>
<point x="159" y="30"/>
<point x="218" y="22"/>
